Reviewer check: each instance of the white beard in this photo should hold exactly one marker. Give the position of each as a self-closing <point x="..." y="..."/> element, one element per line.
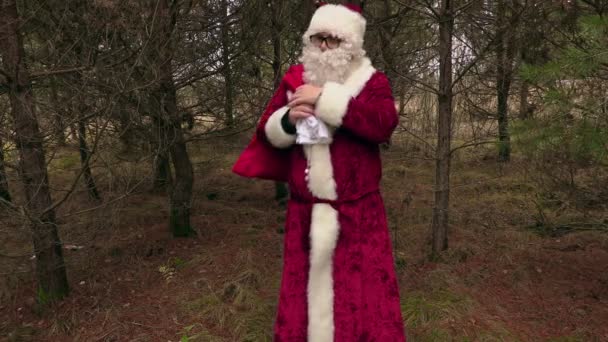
<point x="333" y="65"/>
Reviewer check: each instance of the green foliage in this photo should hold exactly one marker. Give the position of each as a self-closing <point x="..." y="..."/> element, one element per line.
<point x="579" y="141"/>
<point x="177" y="262"/>
<point x="568" y="157"/>
<point x="568" y="141"/>
<point x="575" y="61"/>
<point x="400" y="263"/>
<point x="68" y="161"/>
<point x="45" y="298"/>
<point x="42" y="297"/>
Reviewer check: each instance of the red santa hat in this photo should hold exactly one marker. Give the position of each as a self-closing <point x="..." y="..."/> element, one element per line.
<point x="344" y="21"/>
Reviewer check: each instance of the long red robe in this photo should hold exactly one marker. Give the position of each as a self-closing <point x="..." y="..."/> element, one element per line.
<point x="338" y="281"/>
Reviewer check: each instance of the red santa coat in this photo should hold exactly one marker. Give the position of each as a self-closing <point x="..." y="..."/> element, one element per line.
<point x="338" y="281"/>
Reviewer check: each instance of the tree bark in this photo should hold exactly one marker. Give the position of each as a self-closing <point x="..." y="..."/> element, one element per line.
<point x="50" y="266"/>
<point x="58" y="125"/>
<point x="163" y="177"/>
<point x="276" y="28"/>
<point x="504" y="69"/>
<point x="523" y="100"/>
<point x="80" y="108"/>
<point x="158" y="58"/>
<point x="165" y="94"/>
<point x="384" y="32"/>
<point x="73" y="131"/>
<point x="281" y="192"/>
<point x="227" y="71"/>
<point x="5" y="194"/>
<point x="85" y="155"/>
<point x="126" y="135"/>
<point x="444" y="130"/>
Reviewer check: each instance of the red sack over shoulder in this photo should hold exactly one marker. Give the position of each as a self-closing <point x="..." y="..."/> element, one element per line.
<point x="262" y="160"/>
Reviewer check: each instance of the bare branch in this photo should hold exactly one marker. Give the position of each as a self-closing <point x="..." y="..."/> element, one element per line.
<point x="474" y="143"/>
<point x="425" y="86"/>
<point x="82" y="170"/>
<point x="40" y="74"/>
<point x="433" y="14"/>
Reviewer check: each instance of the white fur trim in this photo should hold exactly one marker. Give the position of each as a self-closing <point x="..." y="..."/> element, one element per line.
<point x="274" y="131"/>
<point x="333" y="103"/>
<point x="325" y="227"/>
<point x="340" y="21"/>
<point x="359" y="76"/>
<point x="324" y="231"/>
<point x="321" y="181"/>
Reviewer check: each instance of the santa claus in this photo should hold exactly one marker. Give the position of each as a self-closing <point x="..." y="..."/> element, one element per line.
<point x="320" y="133"/>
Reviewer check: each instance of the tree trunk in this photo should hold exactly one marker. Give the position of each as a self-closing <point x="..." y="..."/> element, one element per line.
<point x="181" y="191"/>
<point x="58" y="125"/>
<point x="385" y="34"/>
<point x="163" y="178"/>
<point x="126" y="135"/>
<point x="444" y="130"/>
<point x="281" y="192"/>
<point x="74" y="131"/>
<point x="80" y="108"/>
<point x="50" y="267"/>
<point x="157" y="58"/>
<point x="523" y="100"/>
<point x="504" y="67"/>
<point x="5" y="194"/>
<point x="402" y="103"/>
<point x="227" y="71"/>
<point x="276" y="28"/>
<point x="181" y="194"/>
<point x="162" y="169"/>
<point x="308" y="9"/>
<point x="85" y="155"/>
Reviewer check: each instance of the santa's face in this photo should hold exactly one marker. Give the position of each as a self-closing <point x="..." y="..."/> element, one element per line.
<point x="328" y="58"/>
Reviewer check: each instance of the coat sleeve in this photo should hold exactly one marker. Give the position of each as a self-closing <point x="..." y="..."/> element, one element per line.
<point x="371" y="116"/>
<point x="270" y="128"/>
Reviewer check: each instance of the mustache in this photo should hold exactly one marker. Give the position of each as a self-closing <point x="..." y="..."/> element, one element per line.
<point x="330" y="65"/>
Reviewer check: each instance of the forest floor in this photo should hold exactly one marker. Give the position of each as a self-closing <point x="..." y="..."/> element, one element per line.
<point x="509" y="274"/>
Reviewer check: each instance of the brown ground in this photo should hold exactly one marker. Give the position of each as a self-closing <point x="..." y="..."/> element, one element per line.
<point x="498" y="281"/>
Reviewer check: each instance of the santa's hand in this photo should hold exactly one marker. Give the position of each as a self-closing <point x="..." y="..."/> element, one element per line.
<point x="305" y="94"/>
<point x="300" y="112"/>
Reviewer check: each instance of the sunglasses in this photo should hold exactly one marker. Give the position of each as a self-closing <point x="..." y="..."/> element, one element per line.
<point x="331" y="42"/>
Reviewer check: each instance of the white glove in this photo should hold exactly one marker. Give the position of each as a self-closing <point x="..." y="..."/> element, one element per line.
<point x="311" y="130"/>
